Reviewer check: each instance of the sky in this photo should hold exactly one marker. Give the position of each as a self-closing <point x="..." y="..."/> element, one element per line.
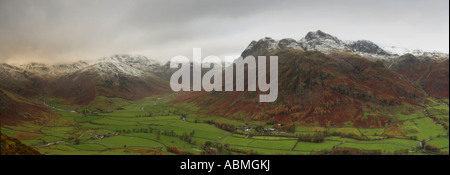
<point x="57" y="31"/>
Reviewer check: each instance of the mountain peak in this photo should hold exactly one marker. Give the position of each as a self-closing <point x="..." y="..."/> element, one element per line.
<point x="394" y="50"/>
<point x="134" y="65"/>
<point x="323" y="42"/>
<point x="44" y="69"/>
<point x="366" y="47"/>
<point x="319" y="35"/>
<point x="326" y="43"/>
<point x="261" y="47"/>
<point x="130" y="59"/>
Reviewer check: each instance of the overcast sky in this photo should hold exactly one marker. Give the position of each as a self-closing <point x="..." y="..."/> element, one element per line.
<point x="68" y="30"/>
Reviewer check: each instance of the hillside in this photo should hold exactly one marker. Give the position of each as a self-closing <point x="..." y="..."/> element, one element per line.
<point x="130" y="77"/>
<point x="320" y="89"/>
<point x="11" y="146"/>
<point x="430" y="74"/>
<point x="15" y="108"/>
<point x="83" y="86"/>
<point x="436" y="83"/>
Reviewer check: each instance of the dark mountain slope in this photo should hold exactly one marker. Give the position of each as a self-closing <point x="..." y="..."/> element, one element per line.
<point x="320" y="89"/>
<point x="430" y="74"/>
<point x="15" y="108"/>
<point x="11" y="146"/>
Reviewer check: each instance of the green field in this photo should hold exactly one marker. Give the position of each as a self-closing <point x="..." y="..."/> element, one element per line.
<point x="152" y="125"/>
<point x="441" y="142"/>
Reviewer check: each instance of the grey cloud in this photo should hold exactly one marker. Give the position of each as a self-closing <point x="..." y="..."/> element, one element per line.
<point x="65" y="30"/>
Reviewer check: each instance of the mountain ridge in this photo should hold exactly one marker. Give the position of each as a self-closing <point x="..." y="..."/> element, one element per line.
<point x="125" y="76"/>
<point x="317" y="63"/>
<point x="326" y="81"/>
<point x="326" y="43"/>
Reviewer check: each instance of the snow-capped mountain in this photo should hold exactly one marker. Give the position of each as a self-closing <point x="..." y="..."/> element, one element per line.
<point x="123" y="64"/>
<point x="326" y="43"/>
<point x="262" y="46"/>
<point x="118" y="70"/>
<point x="323" y="42"/>
<point x="133" y="65"/>
<point x="12" y="72"/>
<point x="42" y="69"/>
<point x="368" y="48"/>
<point x="289" y="43"/>
<point x="124" y="76"/>
<point x="131" y="60"/>
<point x="416" y="52"/>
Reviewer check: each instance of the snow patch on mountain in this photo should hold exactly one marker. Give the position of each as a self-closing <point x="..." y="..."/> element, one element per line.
<point x="132" y="65"/>
<point x="42" y="69"/>
<point x="323" y="42"/>
<point x="290" y="43"/>
<point x="326" y="43"/>
<point x="13" y="73"/>
<point x="396" y="50"/>
<point x="261" y="47"/>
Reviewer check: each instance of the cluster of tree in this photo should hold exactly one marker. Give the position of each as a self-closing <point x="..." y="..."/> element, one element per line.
<point x="168" y="112"/>
<point x="346" y="135"/>
<point x="284" y="127"/>
<point x="224" y="126"/>
<point x="413" y="137"/>
<point x="304" y="138"/>
<point x="325" y="103"/>
<point x="211" y="148"/>
<point x="175" y="150"/>
<point x="284" y="110"/>
<point x="259" y="128"/>
<point x="322" y="107"/>
<point x="86" y="112"/>
<point x="311" y="138"/>
<point x="187" y="137"/>
<point x="432" y="148"/>
<point x="73" y="140"/>
<point x="210" y="151"/>
<point x="149" y="114"/>
<point x="441" y="121"/>
<point x="289" y="127"/>
<point x="259" y="116"/>
<point x="138" y="130"/>
<point x="361" y="94"/>
<point x="321" y="111"/>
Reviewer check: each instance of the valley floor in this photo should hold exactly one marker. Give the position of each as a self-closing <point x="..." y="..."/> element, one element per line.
<point x="155" y="126"/>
